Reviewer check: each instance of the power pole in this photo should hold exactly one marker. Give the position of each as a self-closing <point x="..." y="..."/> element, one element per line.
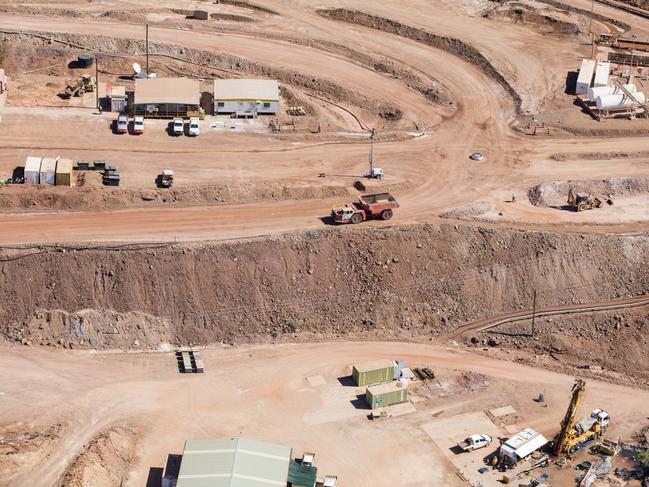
<point x="371" y="157"/>
<point x="534" y="313"/>
<point x="97" y="83"/>
<point x="147" y="49"/>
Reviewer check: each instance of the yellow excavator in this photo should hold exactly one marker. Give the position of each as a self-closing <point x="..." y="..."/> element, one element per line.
<point x="574" y="434"/>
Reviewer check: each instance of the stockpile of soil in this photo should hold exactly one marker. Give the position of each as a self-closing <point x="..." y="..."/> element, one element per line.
<point x="104" y="461"/>
<point x="408" y="282"/>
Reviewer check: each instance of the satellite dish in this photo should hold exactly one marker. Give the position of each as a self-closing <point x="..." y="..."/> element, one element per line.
<point x="137" y="69"/>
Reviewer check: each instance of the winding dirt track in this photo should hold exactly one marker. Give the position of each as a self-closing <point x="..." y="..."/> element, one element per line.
<point x="489" y="323"/>
<point x="438" y="161"/>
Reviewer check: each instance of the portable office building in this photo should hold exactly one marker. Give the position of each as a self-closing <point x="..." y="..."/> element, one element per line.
<point x="64" y="172"/>
<point x="382" y="395"/>
<point x="48" y="170"/>
<point x="248" y="96"/>
<point x="374" y="372"/>
<point x="33" y="170"/>
<point x="585" y="76"/>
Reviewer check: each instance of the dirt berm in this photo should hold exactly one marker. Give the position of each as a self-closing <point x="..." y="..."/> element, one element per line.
<point x="407" y="282"/>
<point x="457" y="47"/>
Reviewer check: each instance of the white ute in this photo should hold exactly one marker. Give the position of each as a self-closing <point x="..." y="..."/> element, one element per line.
<point x="178" y="126"/>
<point x="475" y="442"/>
<point x="194" y="127"/>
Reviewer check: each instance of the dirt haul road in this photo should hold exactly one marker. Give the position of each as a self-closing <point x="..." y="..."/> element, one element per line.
<point x="438" y="162"/>
<point x="264" y="392"/>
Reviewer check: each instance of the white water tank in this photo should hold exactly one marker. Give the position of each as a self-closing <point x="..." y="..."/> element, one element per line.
<point x="596" y="91"/>
<point x="611" y="102"/>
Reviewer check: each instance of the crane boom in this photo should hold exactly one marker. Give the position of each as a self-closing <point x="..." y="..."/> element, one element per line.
<point x="570" y="418"/>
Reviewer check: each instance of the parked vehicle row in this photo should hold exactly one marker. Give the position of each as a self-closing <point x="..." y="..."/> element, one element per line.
<point x="121" y="125"/>
<point x="177" y="126"/>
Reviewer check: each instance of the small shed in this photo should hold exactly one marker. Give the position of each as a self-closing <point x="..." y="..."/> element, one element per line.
<point x="33" y="170"/>
<point x="118" y="99"/>
<point x="48" y="170"/>
<point x="64" y="172"/>
<point x="166" y="97"/>
<point x="373" y="372"/>
<point x="382" y="395"/>
<point x="585" y="76"/>
<point x="521" y="445"/>
<point x="249" y="96"/>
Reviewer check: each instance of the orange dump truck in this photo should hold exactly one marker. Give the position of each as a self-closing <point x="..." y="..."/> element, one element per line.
<point x="379" y="206"/>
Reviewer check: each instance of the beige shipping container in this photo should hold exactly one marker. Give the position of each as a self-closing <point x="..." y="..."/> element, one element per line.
<point x="64" y="172"/>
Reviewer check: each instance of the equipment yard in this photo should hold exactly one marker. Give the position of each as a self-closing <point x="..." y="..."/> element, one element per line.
<point x="211" y="210"/>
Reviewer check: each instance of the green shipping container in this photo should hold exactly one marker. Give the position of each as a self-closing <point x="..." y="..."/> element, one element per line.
<point x="374" y="372"/>
<point x="383" y="395"/>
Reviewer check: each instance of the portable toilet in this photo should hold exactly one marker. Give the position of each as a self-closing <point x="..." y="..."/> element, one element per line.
<point x="32" y="170"/>
<point x="48" y="170"/>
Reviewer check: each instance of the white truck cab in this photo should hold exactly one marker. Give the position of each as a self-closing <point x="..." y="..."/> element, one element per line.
<point x="601" y="416"/>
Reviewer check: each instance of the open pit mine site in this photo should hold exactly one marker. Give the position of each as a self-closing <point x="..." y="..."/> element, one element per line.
<point x="333" y="243"/>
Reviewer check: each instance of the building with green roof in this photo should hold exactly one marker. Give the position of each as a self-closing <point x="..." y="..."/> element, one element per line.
<point x="235" y="462"/>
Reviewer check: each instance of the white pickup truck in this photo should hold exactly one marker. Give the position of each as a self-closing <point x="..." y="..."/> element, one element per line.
<point x="475" y="442"/>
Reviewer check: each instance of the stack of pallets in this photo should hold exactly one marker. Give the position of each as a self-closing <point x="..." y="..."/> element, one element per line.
<point x="190" y="362"/>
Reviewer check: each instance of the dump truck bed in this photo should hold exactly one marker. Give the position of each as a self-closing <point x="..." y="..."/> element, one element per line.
<point x="376" y="203"/>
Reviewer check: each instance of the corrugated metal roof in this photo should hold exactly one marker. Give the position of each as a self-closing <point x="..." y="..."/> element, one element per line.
<point x="373" y="365"/>
<point x="246" y="89"/>
<point x="167" y="90"/>
<point x="235" y="462"/>
<point x="525" y="442"/>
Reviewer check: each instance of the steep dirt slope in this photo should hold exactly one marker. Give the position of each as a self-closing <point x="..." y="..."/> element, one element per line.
<point x="393" y="282"/>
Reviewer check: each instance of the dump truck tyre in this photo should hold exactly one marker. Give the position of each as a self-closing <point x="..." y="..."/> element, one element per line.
<point x="386" y="214"/>
<point x="356" y="218"/>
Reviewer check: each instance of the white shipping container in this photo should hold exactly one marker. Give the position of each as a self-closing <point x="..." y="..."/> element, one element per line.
<point x="593" y="93"/>
<point x="48" y="170"/>
<point x="585" y="76"/>
<point x="613" y="102"/>
<point x="601" y="73"/>
<point x="32" y="170"/>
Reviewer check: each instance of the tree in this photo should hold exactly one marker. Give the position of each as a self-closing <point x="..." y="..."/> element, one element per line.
<point x="644" y="458"/>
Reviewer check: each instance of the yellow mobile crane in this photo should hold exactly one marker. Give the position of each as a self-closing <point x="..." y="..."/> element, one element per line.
<point x="576" y="434"/>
